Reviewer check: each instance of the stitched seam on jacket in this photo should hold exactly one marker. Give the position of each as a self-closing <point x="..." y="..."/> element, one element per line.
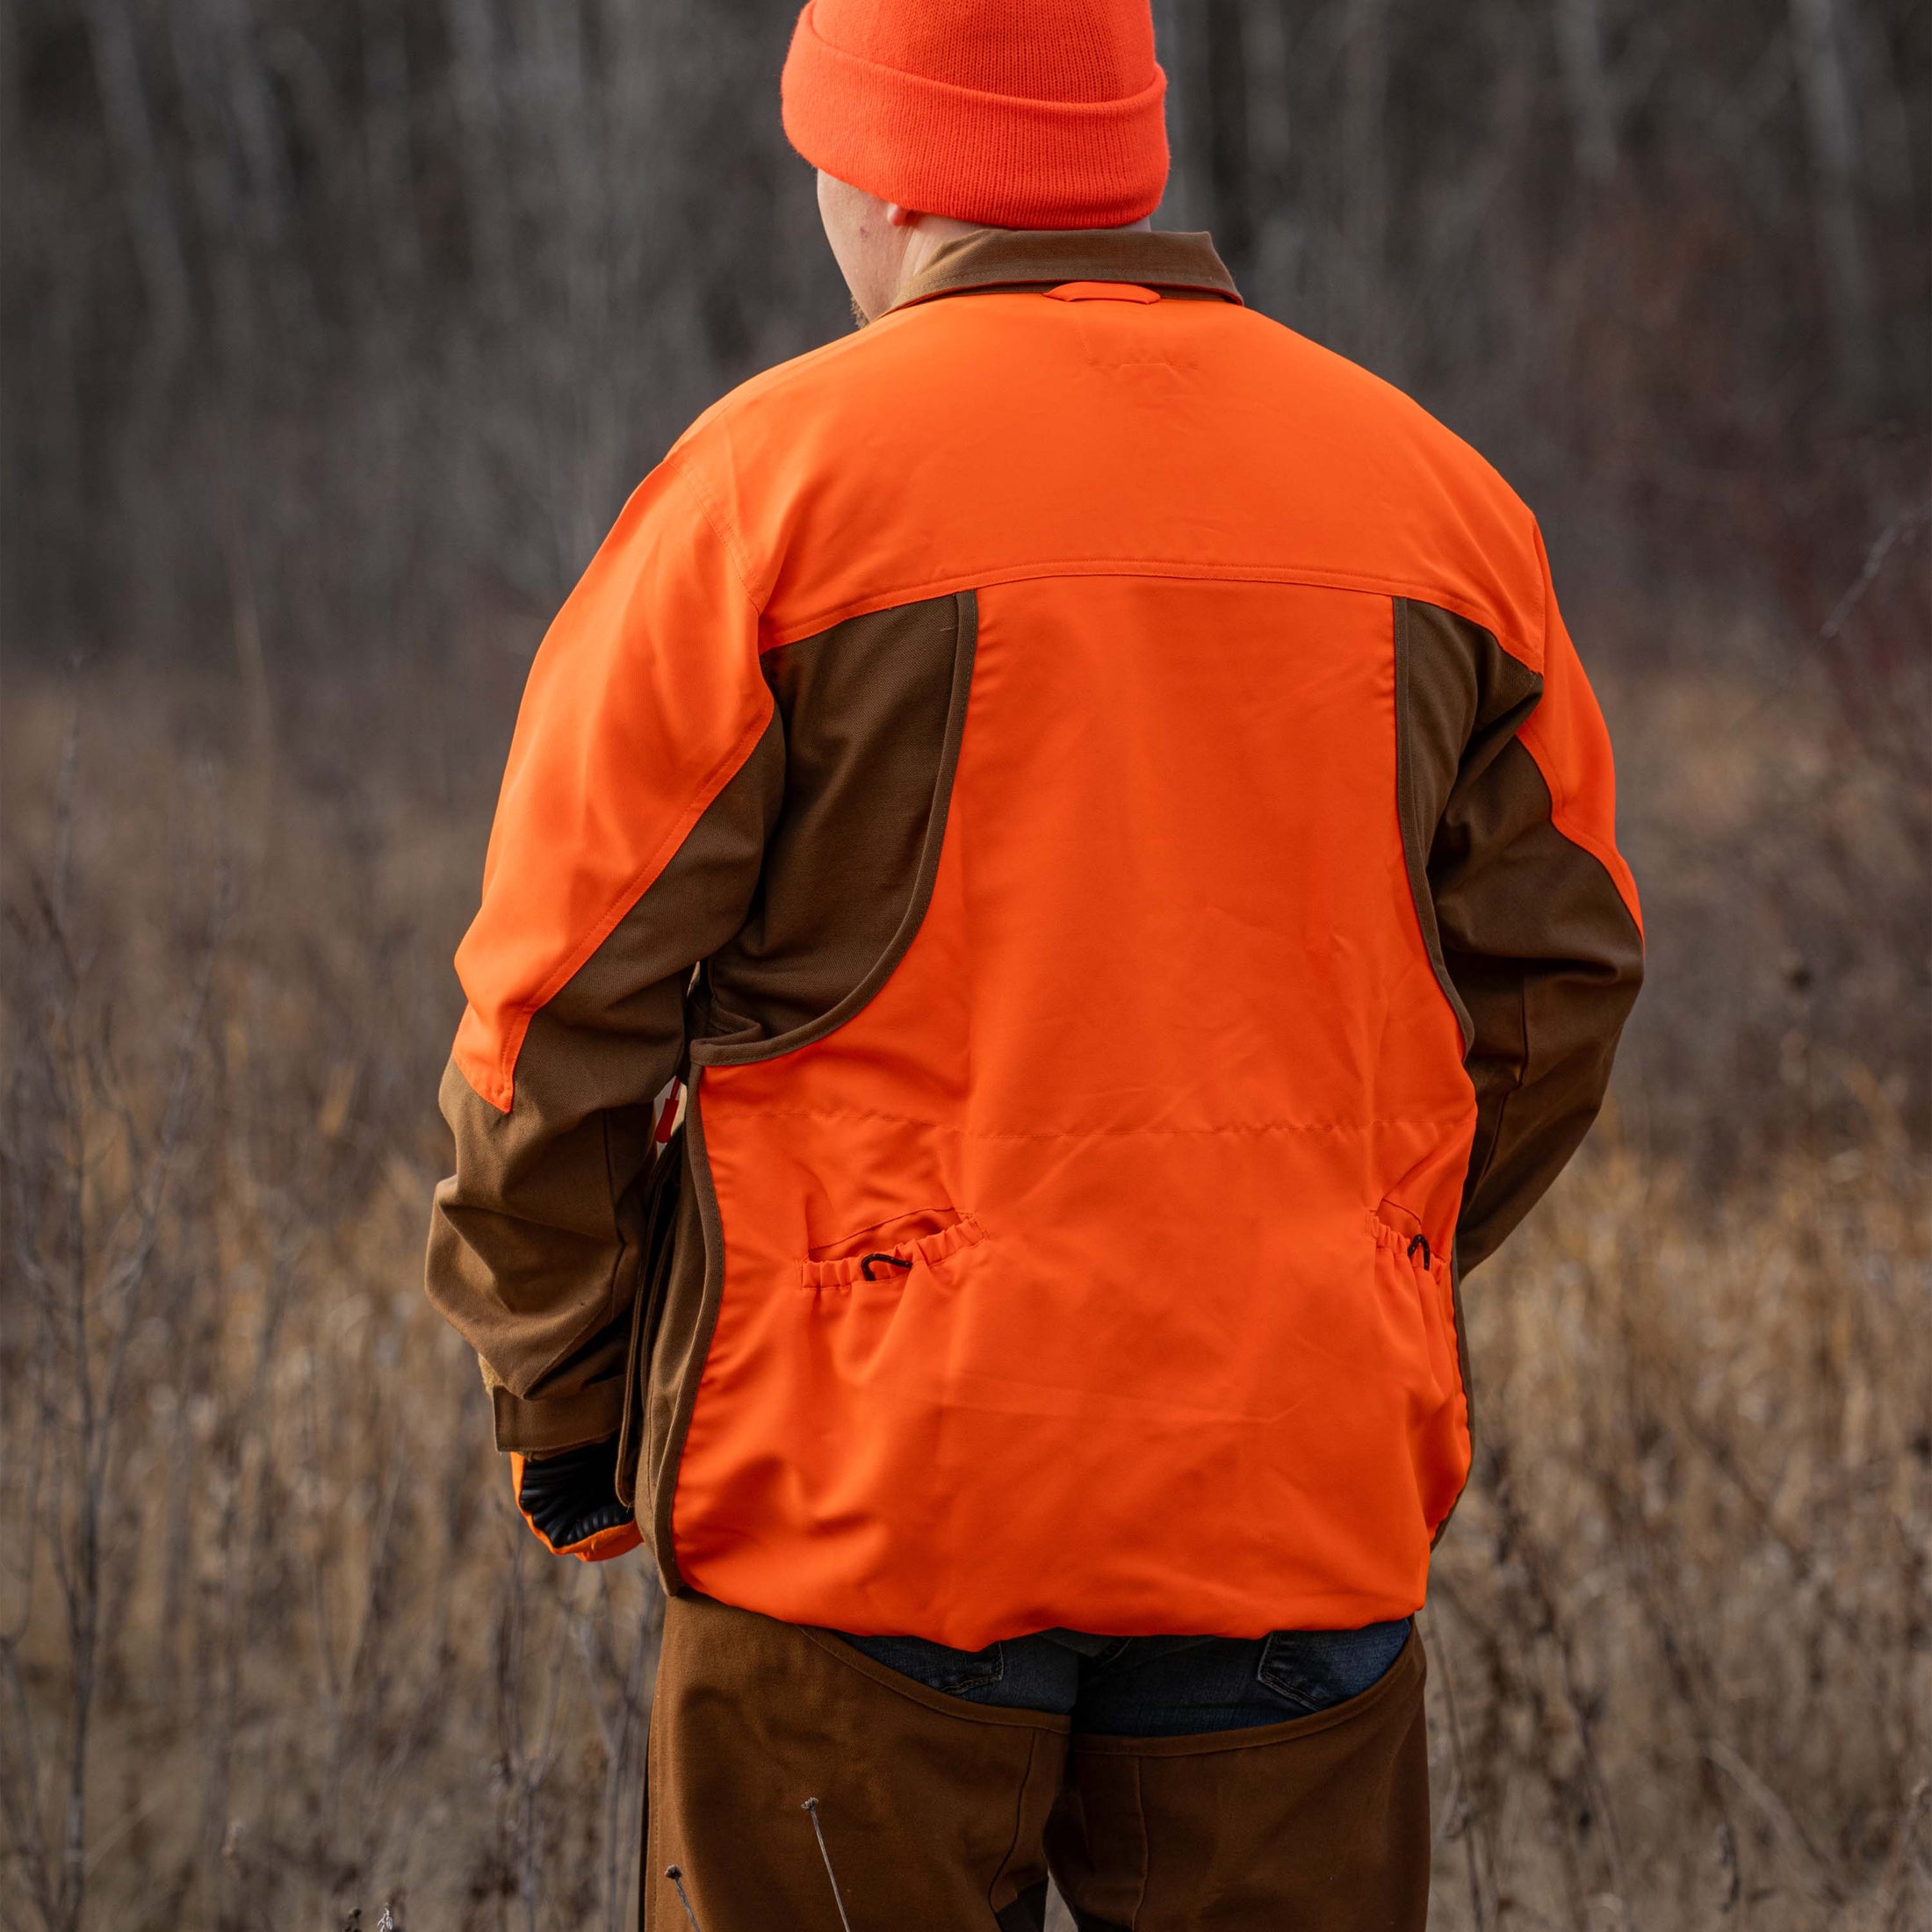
<point x="711" y="1298"/>
<point x="1176" y="569"/>
<point x="1548" y="589"/>
<point x="647" y="876"/>
<point x="721" y="527"/>
<point x="1603" y="850"/>
<point x="965" y="652"/>
<point x="767" y="1113"/>
<point x="1563" y="822"/>
<point x="1466" y="1376"/>
<point x="1408" y="819"/>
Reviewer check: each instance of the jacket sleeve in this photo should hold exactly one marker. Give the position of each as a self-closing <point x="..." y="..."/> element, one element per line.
<point x="643" y="781"/>
<point x="1536" y="922"/>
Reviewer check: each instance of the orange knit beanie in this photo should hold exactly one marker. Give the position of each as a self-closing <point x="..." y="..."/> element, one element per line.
<point x="1013" y="113"/>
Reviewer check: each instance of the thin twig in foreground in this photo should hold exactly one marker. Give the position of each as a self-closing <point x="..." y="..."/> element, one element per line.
<point x="810" y="1806"/>
<point x="1917" y="512"/>
<point x="676" y="1876"/>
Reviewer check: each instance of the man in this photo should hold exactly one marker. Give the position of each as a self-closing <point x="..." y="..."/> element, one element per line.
<point x="1145" y="844"/>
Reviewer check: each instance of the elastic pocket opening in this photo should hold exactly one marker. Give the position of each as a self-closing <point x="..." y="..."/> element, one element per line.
<point x="878" y="1261"/>
<point x="1401" y="1230"/>
<point x="1398" y="1229"/>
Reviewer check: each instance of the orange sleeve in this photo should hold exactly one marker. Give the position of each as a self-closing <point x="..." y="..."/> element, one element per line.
<point x="644" y="698"/>
<point x="1567" y="737"/>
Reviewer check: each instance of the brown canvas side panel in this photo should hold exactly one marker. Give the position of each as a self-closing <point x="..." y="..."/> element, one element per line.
<point x="874" y="712"/>
<point x="1533" y="943"/>
<point x="694" y="1284"/>
<point x="865" y="708"/>
<point x="1459" y="698"/>
<point x="530" y="1257"/>
<point x="1549" y="962"/>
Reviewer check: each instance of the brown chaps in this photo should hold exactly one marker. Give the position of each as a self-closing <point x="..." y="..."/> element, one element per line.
<point x="783" y="1763"/>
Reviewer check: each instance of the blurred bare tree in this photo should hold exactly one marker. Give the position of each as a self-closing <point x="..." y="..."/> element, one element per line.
<point x="349" y="312"/>
<point x="348" y="316"/>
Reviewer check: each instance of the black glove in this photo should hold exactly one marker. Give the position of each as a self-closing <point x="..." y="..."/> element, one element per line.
<point x="570" y="1500"/>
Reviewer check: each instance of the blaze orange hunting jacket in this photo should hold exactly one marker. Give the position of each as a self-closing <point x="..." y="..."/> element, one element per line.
<point x="1144" y="840"/>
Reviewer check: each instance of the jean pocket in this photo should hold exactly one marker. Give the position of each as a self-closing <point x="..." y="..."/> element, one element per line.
<point x="1315" y="1669"/>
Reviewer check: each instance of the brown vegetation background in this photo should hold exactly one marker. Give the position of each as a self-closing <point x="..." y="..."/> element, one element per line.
<point x="330" y="342"/>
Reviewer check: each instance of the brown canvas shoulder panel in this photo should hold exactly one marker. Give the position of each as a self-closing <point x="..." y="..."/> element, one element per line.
<point x="528" y="1253"/>
<point x="1532" y="942"/>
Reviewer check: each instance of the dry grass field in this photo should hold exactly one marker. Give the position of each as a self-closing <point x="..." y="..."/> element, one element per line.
<point x="274" y="1650"/>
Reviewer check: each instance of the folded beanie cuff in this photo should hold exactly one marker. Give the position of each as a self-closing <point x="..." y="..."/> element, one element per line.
<point x="1000" y="159"/>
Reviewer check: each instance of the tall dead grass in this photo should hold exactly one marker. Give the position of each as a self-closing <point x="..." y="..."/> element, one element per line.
<point x="274" y="1650"/>
<point x="1679" y="1626"/>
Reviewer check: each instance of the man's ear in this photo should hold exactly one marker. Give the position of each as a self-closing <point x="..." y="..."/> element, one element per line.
<point x="898" y="217"/>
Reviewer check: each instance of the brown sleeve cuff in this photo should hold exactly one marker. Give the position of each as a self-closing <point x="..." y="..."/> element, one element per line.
<point x="562" y="1422"/>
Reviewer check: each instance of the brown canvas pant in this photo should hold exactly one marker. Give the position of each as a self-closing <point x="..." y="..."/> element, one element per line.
<point x="939" y="1815"/>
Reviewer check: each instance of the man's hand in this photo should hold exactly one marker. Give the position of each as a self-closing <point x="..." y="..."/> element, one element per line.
<point x="570" y="1500"/>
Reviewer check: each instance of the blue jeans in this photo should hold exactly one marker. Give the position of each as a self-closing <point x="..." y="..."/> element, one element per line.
<point x="1153" y="1686"/>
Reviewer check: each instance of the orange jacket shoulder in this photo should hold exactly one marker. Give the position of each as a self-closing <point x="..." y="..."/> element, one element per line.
<point x="988" y="437"/>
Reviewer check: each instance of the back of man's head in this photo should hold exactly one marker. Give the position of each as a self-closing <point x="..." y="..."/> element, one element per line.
<point x="1004" y="113"/>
